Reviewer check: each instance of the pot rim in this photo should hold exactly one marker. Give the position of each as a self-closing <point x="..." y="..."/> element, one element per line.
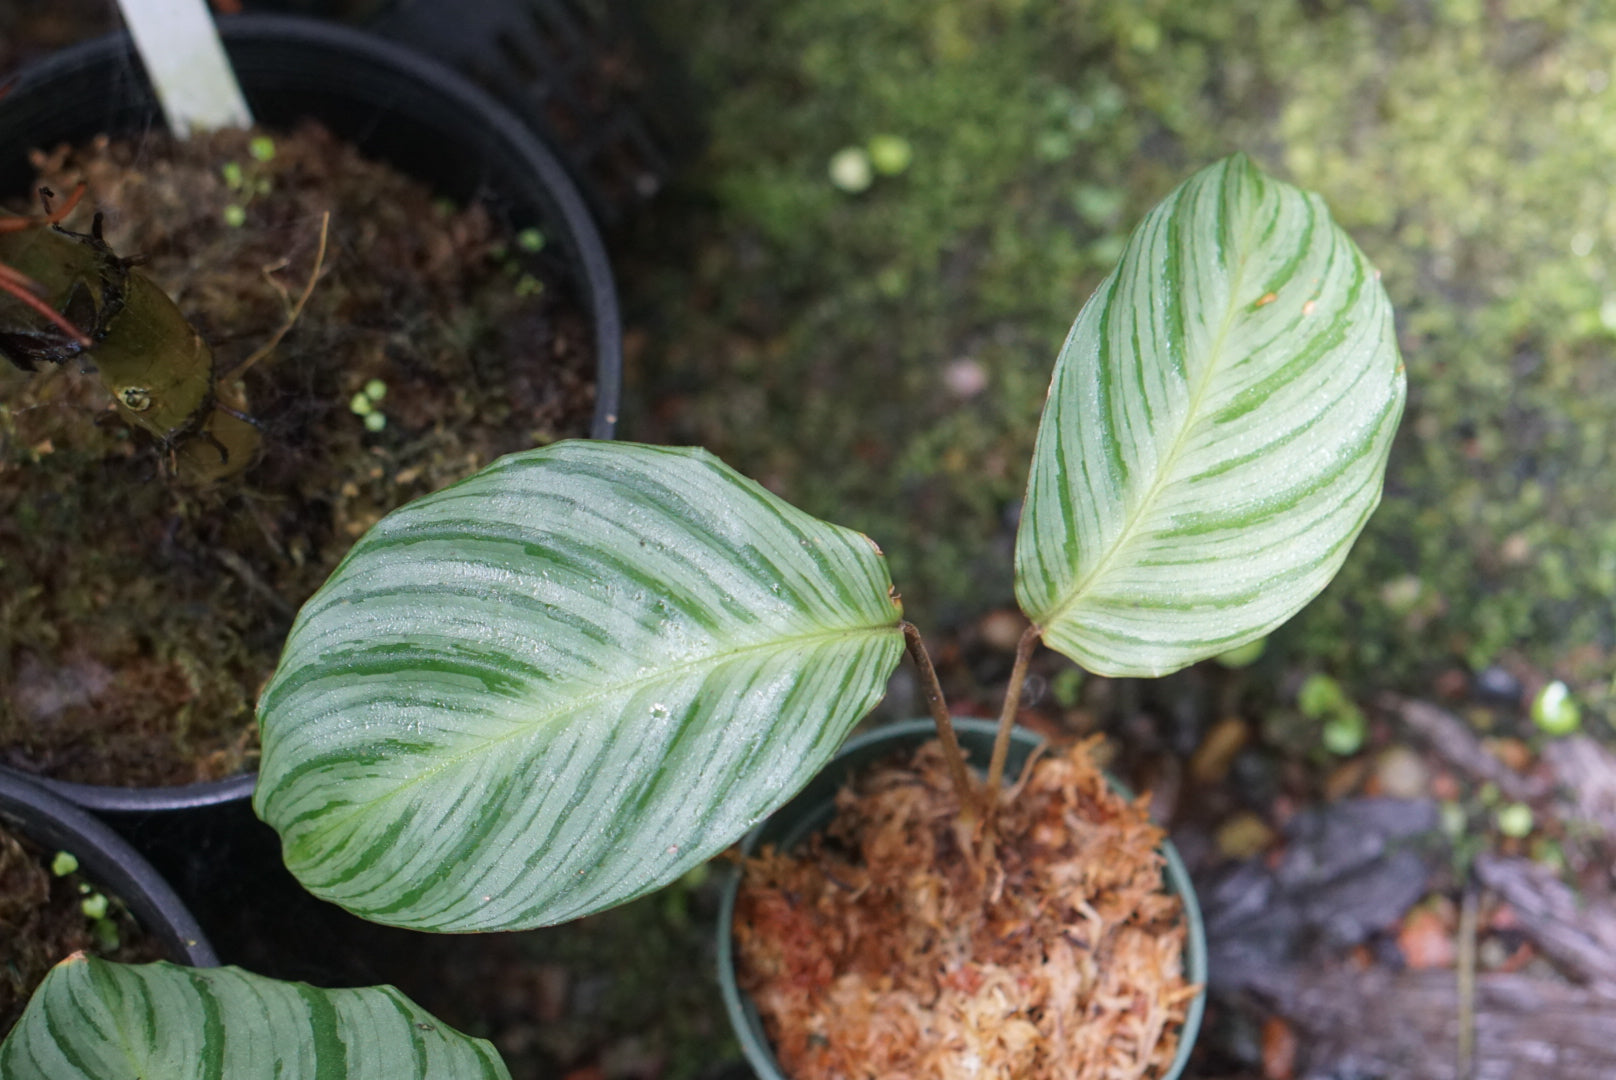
<point x="110" y="861"/>
<point x="743" y="1015"/>
<point x="588" y="261"/>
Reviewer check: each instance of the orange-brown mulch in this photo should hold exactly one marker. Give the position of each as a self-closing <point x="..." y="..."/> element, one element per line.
<point x="884" y="950"/>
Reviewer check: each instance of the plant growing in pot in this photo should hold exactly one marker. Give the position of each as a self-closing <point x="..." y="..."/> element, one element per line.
<point x="109" y="655"/>
<point x="568" y="679"/>
<point x="68" y="883"/>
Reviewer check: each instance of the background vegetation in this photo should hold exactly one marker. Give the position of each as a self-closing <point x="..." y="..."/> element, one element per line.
<point x="880" y="356"/>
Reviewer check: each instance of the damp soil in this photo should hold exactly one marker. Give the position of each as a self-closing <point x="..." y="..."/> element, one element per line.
<point x="140" y="615"/>
<point x="42" y="922"/>
<point x="897" y="943"/>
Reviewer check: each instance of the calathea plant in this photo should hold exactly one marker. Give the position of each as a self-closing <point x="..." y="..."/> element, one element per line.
<point x="566" y="680"/>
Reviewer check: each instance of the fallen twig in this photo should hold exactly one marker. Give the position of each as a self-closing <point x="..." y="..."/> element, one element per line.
<point x="1454" y="741"/>
<point x="1577" y="933"/>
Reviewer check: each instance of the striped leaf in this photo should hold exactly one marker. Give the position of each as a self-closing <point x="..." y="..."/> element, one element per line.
<point x="562" y="683"/>
<point x="1216" y="431"/>
<point x="98" y="1020"/>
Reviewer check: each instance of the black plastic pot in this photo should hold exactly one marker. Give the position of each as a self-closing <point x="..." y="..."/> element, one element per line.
<point x="590" y="78"/>
<point x="813" y="809"/>
<point x="394" y="105"/>
<point x="109" y="861"/>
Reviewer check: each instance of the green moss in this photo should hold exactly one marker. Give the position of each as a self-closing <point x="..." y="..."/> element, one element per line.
<point x="807" y="332"/>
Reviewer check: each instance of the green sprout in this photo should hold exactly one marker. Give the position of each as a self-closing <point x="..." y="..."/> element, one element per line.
<point x="530" y="240"/>
<point x="235" y="215"/>
<point x="890" y="154"/>
<point x="94" y="906"/>
<point x="64" y="863"/>
<point x="231" y="171"/>
<point x="106" y="934"/>
<point x="1514" y="819"/>
<point x="1555" y="711"/>
<point x="1243" y="656"/>
<point x="1065" y="687"/>
<point x="1343" y="726"/>
<point x="262" y="148"/>
<point x="363" y="405"/>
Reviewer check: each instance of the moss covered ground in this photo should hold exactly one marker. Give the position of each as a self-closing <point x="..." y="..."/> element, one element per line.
<point x="880" y="355"/>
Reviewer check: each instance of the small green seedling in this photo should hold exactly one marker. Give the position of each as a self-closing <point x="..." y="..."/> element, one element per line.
<point x="365" y="405"/>
<point x="1514" y="820"/>
<point x="1244" y="656"/>
<point x="1555" y="711"/>
<point x="890" y="154"/>
<point x="1342" y="724"/>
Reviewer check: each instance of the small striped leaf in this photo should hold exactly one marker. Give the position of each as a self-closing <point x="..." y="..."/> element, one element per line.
<point x="97" y="1020"/>
<point x="562" y="683"/>
<point x="1216" y="431"/>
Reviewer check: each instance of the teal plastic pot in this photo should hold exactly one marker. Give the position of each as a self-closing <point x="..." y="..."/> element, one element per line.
<point x="813" y="809"/>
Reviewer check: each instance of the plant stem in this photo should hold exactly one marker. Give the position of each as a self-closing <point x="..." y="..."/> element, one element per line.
<point x="1007" y="718"/>
<point x="939" y="714"/>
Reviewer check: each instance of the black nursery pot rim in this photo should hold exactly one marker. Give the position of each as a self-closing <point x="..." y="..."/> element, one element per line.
<point x="812" y="809"/>
<point x="385" y="97"/>
<point x="108" y="860"/>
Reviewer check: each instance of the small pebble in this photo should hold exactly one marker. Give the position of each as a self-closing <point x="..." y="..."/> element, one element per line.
<point x="1002" y="629"/>
<point x="1401" y="773"/>
<point x="1498" y="685"/>
<point x="1244" y="835"/>
<point x="1492" y="954"/>
<point x="965" y="378"/>
<point x="850" y="170"/>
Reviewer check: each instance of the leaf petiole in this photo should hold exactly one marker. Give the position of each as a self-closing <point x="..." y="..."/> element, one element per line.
<point x="945" y="728"/>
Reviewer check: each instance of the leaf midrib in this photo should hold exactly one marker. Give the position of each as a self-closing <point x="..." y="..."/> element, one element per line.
<point x="335" y="819"/>
<point x="1169" y="461"/>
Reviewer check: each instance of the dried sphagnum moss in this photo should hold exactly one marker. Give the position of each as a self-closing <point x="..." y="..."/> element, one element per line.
<point x="883" y="950"/>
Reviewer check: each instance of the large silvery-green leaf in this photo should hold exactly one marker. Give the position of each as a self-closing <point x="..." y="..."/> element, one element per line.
<point x="97" y="1020"/>
<point x="562" y="682"/>
<point x="1216" y="432"/>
